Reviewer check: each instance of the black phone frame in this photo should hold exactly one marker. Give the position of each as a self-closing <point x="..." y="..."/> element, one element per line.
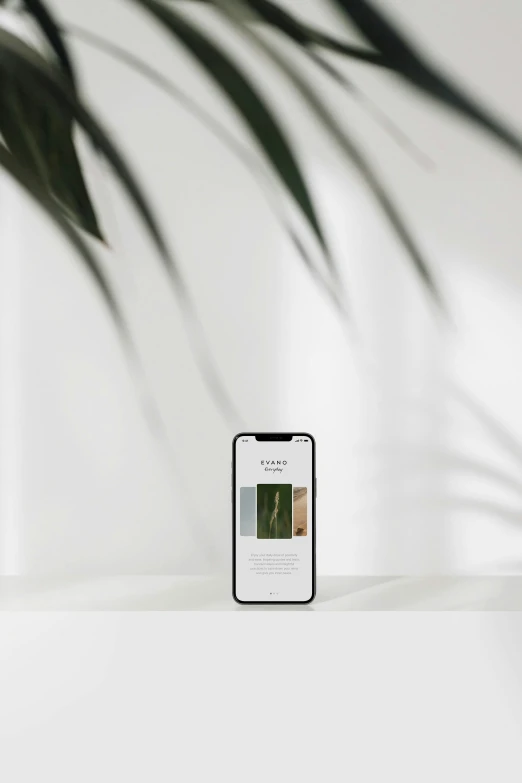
<point x="273" y="436"/>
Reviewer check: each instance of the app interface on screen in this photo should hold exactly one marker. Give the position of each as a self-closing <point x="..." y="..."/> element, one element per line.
<point x="274" y="496"/>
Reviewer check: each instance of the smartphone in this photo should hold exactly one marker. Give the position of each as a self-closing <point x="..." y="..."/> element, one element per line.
<point x="273" y="518"/>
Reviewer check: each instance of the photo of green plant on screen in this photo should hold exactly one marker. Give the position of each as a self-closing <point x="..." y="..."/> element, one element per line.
<point x="274" y="511"/>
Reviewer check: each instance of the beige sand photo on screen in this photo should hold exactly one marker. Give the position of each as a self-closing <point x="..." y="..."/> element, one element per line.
<point x="300" y="527"/>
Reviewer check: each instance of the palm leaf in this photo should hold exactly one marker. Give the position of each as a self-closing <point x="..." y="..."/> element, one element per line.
<point x="401" y="55"/>
<point x="310" y="41"/>
<point x="372" y="109"/>
<point x="352" y="150"/>
<point x="34" y="190"/>
<point x="45" y="20"/>
<point x="41" y="138"/>
<point x="41" y="197"/>
<point x="305" y="35"/>
<point x="255" y="11"/>
<point x="27" y="68"/>
<point x="247" y="101"/>
<point x="220" y="132"/>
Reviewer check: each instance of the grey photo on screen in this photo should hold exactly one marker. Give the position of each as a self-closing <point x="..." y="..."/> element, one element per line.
<point x="247" y="511"/>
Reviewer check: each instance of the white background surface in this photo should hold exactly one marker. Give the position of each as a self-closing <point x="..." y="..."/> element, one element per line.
<point x="413" y="697"/>
<point x="153" y="696"/>
<point x="412" y="480"/>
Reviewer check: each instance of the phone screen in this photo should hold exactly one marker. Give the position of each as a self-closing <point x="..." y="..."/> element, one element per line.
<point x="274" y="518"/>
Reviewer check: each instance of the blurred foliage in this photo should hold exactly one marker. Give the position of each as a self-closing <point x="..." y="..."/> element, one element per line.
<point x="42" y="106"/>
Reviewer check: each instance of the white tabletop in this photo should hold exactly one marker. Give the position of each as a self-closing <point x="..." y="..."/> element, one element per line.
<point x="213" y="593"/>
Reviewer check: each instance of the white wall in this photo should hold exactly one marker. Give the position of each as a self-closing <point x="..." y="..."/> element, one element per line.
<point x="411" y="480"/>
